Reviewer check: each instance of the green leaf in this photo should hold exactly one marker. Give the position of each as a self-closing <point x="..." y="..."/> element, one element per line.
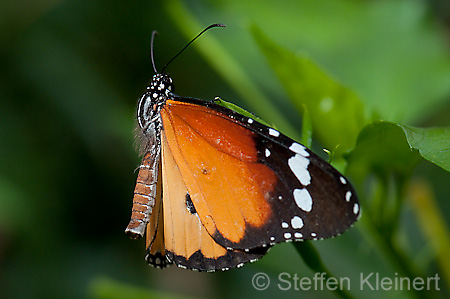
<point x="433" y="144"/>
<point x="336" y="112"/>
<point x="384" y="147"/>
<point x="381" y="148"/>
<point x="240" y="110"/>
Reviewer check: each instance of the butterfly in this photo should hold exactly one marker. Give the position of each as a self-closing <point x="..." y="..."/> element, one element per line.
<point x="216" y="188"/>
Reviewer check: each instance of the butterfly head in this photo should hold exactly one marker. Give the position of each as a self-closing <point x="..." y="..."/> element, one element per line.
<point x="161" y="85"/>
<point x="152" y="100"/>
<point x="158" y="91"/>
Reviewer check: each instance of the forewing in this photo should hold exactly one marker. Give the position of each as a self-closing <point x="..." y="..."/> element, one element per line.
<point x="251" y="185"/>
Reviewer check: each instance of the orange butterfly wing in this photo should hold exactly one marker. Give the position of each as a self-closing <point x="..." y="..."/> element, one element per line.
<point x="245" y="196"/>
<point x="226" y="186"/>
<point x="156" y="252"/>
<point x="186" y="241"/>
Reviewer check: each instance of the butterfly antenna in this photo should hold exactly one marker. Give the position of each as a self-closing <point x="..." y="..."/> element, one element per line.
<point x="154" y="33"/>
<point x="198" y="35"/>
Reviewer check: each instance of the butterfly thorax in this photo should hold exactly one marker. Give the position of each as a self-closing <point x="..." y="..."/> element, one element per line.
<point x="151" y="102"/>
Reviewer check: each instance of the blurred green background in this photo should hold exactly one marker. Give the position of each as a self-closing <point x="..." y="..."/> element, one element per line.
<point x="71" y="74"/>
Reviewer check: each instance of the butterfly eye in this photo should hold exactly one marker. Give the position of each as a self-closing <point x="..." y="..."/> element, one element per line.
<point x="167" y="86"/>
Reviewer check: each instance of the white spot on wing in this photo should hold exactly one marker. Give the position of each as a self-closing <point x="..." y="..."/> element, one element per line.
<point x="273" y="132"/>
<point x="267" y="152"/>
<point x="296" y="222"/>
<point x="348" y="195"/>
<point x="250" y="121"/>
<point x="355" y="209"/>
<point x="298" y="235"/>
<point x="303" y="199"/>
<point x="284" y="225"/>
<point x="287" y="235"/>
<point x="313" y="234"/>
<point x="343" y="180"/>
<point x="299" y="166"/>
<point x="299" y="149"/>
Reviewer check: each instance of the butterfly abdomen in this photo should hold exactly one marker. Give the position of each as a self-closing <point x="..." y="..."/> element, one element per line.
<point x="144" y="196"/>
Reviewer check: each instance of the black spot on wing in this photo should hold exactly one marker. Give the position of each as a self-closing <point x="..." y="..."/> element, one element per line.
<point x="190" y="204"/>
